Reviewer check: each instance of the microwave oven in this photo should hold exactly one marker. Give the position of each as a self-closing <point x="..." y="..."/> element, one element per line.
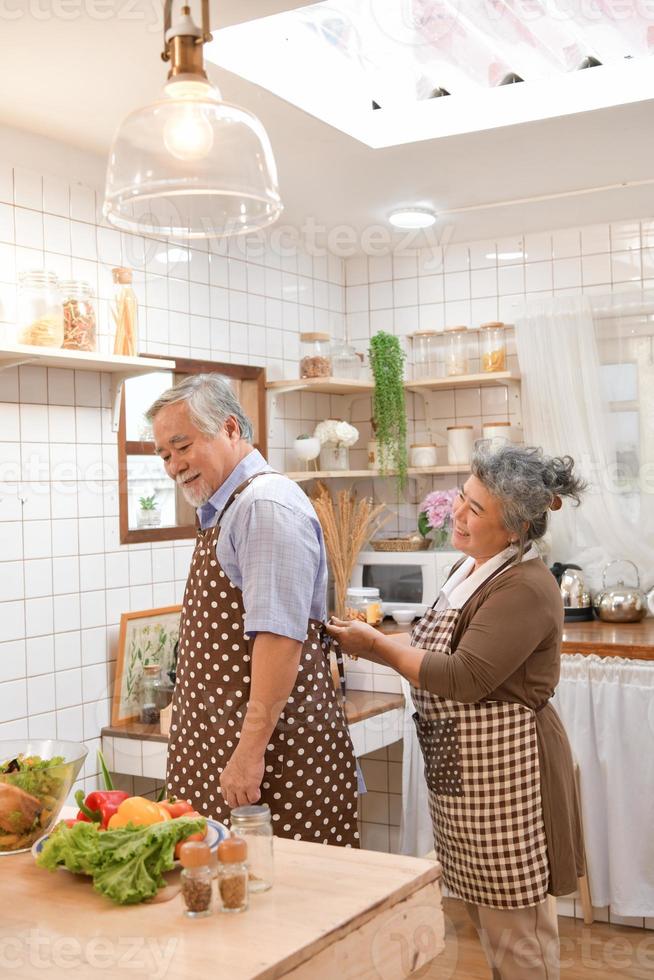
<point x="405" y="579"/>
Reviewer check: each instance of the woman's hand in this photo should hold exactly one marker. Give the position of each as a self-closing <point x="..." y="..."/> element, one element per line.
<point x="355" y="637"/>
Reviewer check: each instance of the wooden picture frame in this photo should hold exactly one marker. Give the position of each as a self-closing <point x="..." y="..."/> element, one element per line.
<point x="146" y="636"/>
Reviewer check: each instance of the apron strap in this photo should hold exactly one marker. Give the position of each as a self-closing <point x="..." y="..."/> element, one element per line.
<point x="243" y="486"/>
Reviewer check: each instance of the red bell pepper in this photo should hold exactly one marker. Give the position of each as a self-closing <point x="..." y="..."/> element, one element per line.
<point x="99" y="806"/>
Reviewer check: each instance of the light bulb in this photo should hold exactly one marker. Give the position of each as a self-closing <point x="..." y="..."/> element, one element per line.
<point x="188" y="134"/>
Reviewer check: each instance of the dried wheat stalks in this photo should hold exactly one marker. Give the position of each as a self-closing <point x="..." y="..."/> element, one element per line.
<point x="346" y="524"/>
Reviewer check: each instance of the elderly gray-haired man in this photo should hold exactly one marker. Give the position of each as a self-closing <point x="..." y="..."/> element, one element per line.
<point x="255" y="714"/>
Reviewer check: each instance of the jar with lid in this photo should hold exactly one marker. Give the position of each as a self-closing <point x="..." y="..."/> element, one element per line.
<point x="346" y="363"/>
<point x="423" y="454"/>
<point x="497" y="433"/>
<point x="233" y="874"/>
<point x="254" y="825"/>
<point x="315" y="355"/>
<point x="455" y="356"/>
<point x="492" y="344"/>
<point x="40" y="318"/>
<point x="424" y="357"/>
<point x="79" y="315"/>
<point x="155" y="694"/>
<point x="459" y="444"/>
<point x="364" y="604"/>
<point x="196" y="878"/>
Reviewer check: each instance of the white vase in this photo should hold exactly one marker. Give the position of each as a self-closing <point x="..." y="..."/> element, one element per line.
<point x="334" y="457"/>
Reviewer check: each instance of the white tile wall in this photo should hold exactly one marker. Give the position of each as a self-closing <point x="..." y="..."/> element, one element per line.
<point x="64" y="578"/>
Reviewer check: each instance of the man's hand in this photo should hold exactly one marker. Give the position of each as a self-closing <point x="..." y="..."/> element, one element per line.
<point x="240" y="782"/>
<point x="355" y="637"/>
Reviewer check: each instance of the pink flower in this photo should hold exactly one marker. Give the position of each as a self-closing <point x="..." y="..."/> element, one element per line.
<point x="436" y="509"/>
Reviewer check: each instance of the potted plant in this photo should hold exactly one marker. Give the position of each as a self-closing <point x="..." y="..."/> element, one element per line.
<point x="307" y="449"/>
<point x="336" y="438"/>
<point x="148" y="515"/>
<point x="388" y="404"/>
<point x="435" y="516"/>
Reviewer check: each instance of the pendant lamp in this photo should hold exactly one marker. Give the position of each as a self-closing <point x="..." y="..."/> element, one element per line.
<point x="190" y="165"/>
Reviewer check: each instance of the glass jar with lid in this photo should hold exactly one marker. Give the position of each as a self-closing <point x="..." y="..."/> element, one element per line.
<point x="315" y="355"/>
<point x="79" y="315"/>
<point x="254" y="825"/>
<point x="40" y="319"/>
<point x="455" y="355"/>
<point x="346" y="363"/>
<point x="492" y="346"/>
<point x="364" y="604"/>
<point x="425" y="359"/>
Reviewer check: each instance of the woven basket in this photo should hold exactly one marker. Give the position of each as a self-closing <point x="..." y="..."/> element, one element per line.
<point x="401" y="544"/>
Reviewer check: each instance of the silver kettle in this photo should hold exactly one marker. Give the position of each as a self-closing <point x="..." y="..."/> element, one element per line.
<point x="621" y="603"/>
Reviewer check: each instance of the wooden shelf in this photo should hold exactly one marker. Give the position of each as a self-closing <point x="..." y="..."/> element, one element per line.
<point x="55" y="357"/>
<point x="485" y="380"/>
<point x="304" y="477"/>
<point x="323" y="386"/>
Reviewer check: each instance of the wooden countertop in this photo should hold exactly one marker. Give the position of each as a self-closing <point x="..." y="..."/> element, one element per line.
<point x="359" y="705"/>
<point x="634" y="641"/>
<point x="329" y="908"/>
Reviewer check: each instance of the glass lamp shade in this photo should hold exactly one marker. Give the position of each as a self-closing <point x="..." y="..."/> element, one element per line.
<point x="191" y="167"/>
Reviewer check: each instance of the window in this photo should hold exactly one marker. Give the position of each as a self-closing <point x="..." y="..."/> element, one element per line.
<point x="151" y="507"/>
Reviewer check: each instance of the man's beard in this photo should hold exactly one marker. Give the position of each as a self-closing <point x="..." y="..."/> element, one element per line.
<point x="197" y="493"/>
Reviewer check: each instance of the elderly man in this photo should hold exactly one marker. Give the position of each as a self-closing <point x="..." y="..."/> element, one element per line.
<point x="255" y="714"/>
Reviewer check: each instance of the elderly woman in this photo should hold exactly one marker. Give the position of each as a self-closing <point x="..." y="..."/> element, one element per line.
<point x="483" y="663"/>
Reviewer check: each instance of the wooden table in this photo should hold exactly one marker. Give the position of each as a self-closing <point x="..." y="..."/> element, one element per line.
<point x="333" y="912"/>
<point x="635" y="641"/>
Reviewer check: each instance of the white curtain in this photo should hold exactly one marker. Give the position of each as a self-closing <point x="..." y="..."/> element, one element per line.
<point x="607" y="707"/>
<point x="565" y="412"/>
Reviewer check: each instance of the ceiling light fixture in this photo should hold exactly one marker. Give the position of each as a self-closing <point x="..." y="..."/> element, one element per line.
<point x="410" y="219"/>
<point x="190" y="165"/>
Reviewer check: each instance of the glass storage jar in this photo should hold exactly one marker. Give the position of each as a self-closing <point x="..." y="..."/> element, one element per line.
<point x="346" y="363"/>
<point x="364" y="604"/>
<point x="79" y="315"/>
<point x="492" y="347"/>
<point x="455" y="356"/>
<point x="40" y="318"/>
<point x="315" y="355"/>
<point x="424" y="358"/>
<point x="254" y="825"/>
<point x="155" y="694"/>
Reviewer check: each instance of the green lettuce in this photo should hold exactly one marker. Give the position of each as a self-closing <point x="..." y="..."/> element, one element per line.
<point x="126" y="864"/>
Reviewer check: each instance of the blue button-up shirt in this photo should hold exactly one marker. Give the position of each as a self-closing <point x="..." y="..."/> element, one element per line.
<point x="271" y="547"/>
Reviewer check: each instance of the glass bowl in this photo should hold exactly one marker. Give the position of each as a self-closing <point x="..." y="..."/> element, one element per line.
<point x="31" y="799"/>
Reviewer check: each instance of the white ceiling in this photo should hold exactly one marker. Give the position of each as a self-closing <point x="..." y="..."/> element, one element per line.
<point x="75" y="80"/>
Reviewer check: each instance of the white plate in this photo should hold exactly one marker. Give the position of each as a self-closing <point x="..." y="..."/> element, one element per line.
<point x="215" y="833"/>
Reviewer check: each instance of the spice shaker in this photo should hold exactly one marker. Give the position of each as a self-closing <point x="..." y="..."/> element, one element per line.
<point x="254" y="825"/>
<point x="233" y="874"/>
<point x="196" y="878"/>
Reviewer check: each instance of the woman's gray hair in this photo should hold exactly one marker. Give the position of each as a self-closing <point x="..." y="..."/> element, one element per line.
<point x="528" y="485"/>
<point x="211" y="401"/>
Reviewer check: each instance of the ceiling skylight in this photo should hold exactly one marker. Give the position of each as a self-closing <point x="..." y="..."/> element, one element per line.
<point x="340" y="59"/>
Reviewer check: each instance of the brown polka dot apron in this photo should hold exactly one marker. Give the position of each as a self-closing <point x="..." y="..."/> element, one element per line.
<point x="310" y="781"/>
<point x="483" y="777"/>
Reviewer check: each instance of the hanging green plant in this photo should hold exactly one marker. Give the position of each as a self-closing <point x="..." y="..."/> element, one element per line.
<point x="388" y="404"/>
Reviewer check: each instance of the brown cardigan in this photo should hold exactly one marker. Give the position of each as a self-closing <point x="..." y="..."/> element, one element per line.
<point x="507" y="647"/>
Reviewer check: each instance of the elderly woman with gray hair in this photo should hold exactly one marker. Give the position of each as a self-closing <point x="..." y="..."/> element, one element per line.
<point x="483" y="663"/>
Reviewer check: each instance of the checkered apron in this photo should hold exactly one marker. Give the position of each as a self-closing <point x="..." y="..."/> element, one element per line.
<point x="482" y="772"/>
